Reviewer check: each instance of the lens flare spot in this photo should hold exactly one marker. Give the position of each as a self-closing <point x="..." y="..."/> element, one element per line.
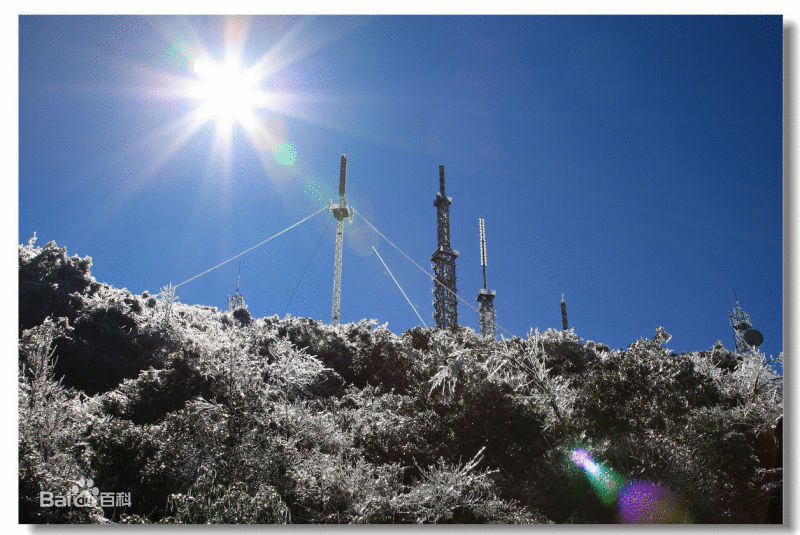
<point x="606" y="482"/>
<point x="641" y="502"/>
<point x="285" y="154"/>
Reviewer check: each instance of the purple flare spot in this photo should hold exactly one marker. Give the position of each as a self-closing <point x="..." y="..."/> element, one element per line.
<point x="643" y="502"/>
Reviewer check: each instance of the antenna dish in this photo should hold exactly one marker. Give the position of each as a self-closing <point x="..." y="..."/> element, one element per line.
<point x="753" y="338"/>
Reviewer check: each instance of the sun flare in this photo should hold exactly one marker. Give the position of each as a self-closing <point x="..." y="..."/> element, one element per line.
<point x="232" y="93"/>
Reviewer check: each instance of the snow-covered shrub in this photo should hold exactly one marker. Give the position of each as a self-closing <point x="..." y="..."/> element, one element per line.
<point x="52" y="423"/>
<point x="330" y="488"/>
<point x="457" y="493"/>
<point x="209" y="502"/>
<point x="47" y="279"/>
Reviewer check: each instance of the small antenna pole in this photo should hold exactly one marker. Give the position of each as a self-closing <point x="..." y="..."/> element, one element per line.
<point x="236" y="300"/>
<point x="564" y="313"/>
<point x="483" y="252"/>
<point x="485" y="297"/>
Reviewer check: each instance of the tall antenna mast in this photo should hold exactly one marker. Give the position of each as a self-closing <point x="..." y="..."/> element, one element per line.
<point x="340" y="212"/>
<point x="485" y="297"/>
<point x="444" y="263"/>
<point x="564" y="323"/>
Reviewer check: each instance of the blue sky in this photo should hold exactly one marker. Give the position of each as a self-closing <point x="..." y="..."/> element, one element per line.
<point x="633" y="163"/>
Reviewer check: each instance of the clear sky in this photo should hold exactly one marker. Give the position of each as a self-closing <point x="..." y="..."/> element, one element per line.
<point x="632" y="163"/>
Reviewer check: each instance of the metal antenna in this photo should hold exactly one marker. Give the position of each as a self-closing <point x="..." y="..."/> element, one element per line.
<point x="444" y="263"/>
<point x="485" y="297"/>
<point x="239" y="276"/>
<point x="564" y="313"/>
<point x="340" y="212"/>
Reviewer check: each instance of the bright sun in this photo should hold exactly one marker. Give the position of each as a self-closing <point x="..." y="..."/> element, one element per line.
<point x="226" y="92"/>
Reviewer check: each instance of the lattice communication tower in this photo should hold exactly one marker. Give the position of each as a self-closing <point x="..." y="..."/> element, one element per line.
<point x="485" y="296"/>
<point x="444" y="263"/>
<point x="745" y="336"/>
<point x="341" y="212"/>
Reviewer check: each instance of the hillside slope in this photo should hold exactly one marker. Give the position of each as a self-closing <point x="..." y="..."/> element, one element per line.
<point x="207" y="416"/>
